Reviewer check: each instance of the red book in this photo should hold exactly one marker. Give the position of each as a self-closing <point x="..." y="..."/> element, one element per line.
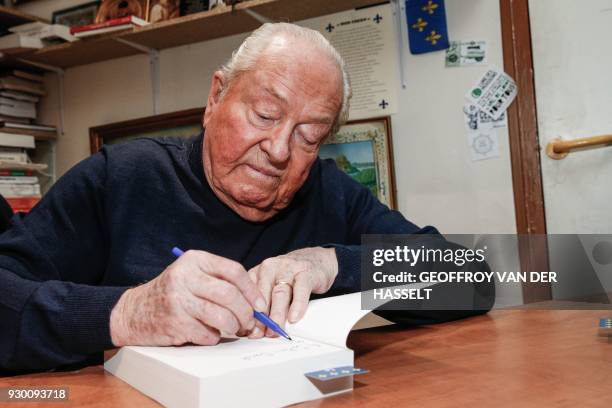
<point x="127" y="20"/>
<point x="22" y="204"/>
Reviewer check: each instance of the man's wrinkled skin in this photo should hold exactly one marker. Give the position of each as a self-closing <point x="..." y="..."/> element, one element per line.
<point x="263" y="133"/>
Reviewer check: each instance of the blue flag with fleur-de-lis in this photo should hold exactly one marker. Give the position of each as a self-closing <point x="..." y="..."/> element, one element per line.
<point x="426" y="25"/>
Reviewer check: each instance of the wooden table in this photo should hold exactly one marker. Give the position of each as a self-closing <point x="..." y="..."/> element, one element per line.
<point x="518" y="358"/>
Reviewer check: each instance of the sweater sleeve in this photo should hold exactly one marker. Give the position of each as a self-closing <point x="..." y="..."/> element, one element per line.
<point x="364" y="214"/>
<point x="367" y="215"/>
<point x="54" y="308"/>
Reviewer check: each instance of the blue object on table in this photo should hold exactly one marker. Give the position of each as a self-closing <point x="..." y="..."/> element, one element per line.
<point x="262" y="317"/>
<point x="605" y="326"/>
<point x="337" y="372"/>
<point x="427" y="30"/>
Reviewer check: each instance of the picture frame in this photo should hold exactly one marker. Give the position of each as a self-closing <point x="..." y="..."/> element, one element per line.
<point x="184" y="123"/>
<point x="361" y="148"/>
<point x="82" y="14"/>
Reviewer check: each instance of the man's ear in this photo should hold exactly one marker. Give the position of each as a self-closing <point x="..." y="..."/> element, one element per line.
<point x="217" y="85"/>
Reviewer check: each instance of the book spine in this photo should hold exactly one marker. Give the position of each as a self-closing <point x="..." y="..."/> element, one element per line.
<point x="18" y="180"/>
<point x="18" y="112"/>
<point x="22" y="204"/>
<point x="96" y="26"/>
<point x="16" y="173"/>
<point x="17" y="157"/>
<point x="19" y="190"/>
<point x="27" y="75"/>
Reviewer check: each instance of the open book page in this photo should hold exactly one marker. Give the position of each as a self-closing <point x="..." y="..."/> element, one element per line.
<point x="330" y="320"/>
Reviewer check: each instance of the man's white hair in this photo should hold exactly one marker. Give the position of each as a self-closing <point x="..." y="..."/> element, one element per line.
<point x="245" y="58"/>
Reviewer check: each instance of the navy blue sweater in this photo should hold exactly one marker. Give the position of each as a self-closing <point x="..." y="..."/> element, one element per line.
<point x="111" y="221"/>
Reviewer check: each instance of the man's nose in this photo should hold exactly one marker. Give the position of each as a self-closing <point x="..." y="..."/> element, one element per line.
<point x="276" y="144"/>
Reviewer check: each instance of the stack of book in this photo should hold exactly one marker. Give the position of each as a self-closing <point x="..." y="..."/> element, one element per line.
<point x="20" y="91"/>
<point x="18" y="182"/>
<point x="32" y="36"/>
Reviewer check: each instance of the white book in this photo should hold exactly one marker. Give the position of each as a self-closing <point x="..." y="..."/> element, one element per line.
<point x="19" y="190"/>
<point x="18" y="111"/>
<point x="16" y="103"/>
<point x="18" y="180"/>
<point x="240" y="372"/>
<point x="43" y="31"/>
<point x="15" y="140"/>
<point x="17" y="42"/>
<point x="13" y="157"/>
<point x="103" y="30"/>
<point x="8" y="165"/>
<point x="19" y="96"/>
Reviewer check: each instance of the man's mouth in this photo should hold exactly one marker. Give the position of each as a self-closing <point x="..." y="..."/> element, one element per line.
<point x="265" y="171"/>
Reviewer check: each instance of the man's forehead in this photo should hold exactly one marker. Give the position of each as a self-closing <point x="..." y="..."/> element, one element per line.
<point x="322" y="104"/>
<point x="284" y="86"/>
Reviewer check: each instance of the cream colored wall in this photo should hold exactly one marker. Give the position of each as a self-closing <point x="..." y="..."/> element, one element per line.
<point x="45" y="8"/>
<point x="437" y="182"/>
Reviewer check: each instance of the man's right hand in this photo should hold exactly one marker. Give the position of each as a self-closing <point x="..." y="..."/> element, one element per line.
<point x="191" y="301"/>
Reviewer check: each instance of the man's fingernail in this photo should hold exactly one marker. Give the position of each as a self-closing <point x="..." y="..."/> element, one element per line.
<point x="256" y="332"/>
<point x="260" y="305"/>
<point x="293" y="316"/>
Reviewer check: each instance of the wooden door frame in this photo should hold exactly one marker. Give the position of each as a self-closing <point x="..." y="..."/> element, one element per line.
<point x="525" y="146"/>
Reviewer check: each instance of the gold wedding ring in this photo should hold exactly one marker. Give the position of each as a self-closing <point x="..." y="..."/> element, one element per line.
<point x="282" y="282"/>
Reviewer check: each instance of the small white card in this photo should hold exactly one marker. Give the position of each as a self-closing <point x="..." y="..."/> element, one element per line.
<point x="493" y="93"/>
<point x="484" y="144"/>
<point x="466" y="53"/>
<point x="474" y="119"/>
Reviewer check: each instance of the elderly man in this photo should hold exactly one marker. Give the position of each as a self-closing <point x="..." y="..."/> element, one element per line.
<point x="90" y="267"/>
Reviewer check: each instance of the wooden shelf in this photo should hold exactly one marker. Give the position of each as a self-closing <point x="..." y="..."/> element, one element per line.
<point x="189" y="29"/>
<point x="10" y="17"/>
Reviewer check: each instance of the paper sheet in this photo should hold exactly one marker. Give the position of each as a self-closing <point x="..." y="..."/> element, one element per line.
<point x="330" y="320"/>
<point x="483" y="144"/>
<point x="466" y="53"/>
<point x="366" y="39"/>
<point x="493" y="93"/>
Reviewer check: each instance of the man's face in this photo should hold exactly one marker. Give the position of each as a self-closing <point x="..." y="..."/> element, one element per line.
<point x="264" y="134"/>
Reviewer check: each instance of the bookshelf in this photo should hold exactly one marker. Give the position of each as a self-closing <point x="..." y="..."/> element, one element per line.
<point x="45" y="146"/>
<point x="188" y="29"/>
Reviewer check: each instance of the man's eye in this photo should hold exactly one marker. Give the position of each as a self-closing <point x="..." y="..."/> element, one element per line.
<point x="264" y="118"/>
<point x="309" y="142"/>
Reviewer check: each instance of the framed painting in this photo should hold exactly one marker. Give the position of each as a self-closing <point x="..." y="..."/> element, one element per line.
<point x="363" y="150"/>
<point x="82" y="14"/>
<point x="185" y="123"/>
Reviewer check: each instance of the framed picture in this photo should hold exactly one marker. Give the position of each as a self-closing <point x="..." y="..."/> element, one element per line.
<point x="78" y="15"/>
<point x="363" y="150"/>
<point x="185" y="123"/>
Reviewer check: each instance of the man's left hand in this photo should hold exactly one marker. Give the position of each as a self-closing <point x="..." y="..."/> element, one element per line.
<point x="287" y="281"/>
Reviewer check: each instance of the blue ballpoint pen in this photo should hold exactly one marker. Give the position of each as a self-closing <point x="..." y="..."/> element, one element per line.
<point x="262" y="317"/>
